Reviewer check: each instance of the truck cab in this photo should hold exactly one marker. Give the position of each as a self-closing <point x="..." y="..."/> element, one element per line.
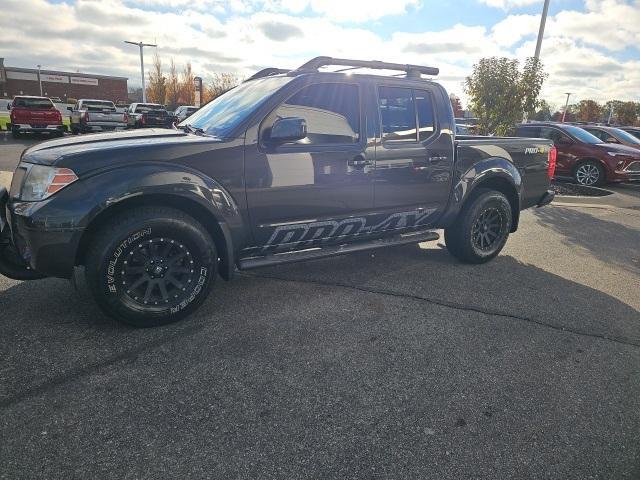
<point x="288" y="166"/>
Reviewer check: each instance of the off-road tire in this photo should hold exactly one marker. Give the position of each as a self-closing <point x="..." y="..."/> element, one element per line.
<point x="482" y="227"/>
<point x="143" y="248"/>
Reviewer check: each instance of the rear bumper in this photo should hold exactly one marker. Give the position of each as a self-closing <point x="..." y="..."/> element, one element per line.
<point x="546" y="199"/>
<point x="103" y="127"/>
<point x="25" y="127"/>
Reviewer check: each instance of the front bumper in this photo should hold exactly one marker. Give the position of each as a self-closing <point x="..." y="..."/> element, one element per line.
<point x="546" y="199"/>
<point x="44" y="243"/>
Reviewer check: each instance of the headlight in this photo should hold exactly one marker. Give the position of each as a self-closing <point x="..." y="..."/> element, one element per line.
<point x="43" y="181"/>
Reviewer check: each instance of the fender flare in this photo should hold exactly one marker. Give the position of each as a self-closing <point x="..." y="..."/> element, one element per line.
<point x="171" y="185"/>
<point x="489" y="171"/>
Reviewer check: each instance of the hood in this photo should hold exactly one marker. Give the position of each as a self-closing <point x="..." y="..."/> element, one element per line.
<point x="624" y="149"/>
<point x="89" y="152"/>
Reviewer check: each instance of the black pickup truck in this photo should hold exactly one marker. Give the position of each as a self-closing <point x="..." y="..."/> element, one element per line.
<point x="288" y="166"/>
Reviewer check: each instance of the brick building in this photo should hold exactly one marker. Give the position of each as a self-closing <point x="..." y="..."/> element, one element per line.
<point x="26" y="81"/>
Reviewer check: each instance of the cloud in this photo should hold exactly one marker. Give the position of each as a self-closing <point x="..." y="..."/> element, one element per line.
<point x="509" y="4"/>
<point x="279" y="31"/>
<point x="579" y="48"/>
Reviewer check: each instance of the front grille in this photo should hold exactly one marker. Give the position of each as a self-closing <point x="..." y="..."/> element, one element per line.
<point x="633" y="167"/>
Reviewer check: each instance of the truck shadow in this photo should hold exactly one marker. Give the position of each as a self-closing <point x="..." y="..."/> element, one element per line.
<point x="57" y="332"/>
<point x="609" y="242"/>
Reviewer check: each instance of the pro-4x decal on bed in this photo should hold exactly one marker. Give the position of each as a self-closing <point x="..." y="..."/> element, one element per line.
<point x="307" y="234"/>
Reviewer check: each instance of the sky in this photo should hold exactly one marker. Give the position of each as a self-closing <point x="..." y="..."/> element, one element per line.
<point x="590" y="47"/>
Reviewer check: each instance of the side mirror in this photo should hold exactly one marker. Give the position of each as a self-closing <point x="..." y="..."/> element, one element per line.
<point x="563" y="141"/>
<point x="288" y="129"/>
<point x="9" y="106"/>
<point x="70" y="109"/>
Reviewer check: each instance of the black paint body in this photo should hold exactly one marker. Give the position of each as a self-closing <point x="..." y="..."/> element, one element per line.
<point x="258" y="198"/>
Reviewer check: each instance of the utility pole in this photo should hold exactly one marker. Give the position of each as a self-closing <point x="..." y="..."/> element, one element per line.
<point x="543" y="21"/>
<point x="142" y="45"/>
<point x="610" y="115"/>
<point x="566" y="105"/>
<point x="39" y="78"/>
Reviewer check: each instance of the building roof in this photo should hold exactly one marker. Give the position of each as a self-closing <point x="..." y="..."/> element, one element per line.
<point x="58" y="72"/>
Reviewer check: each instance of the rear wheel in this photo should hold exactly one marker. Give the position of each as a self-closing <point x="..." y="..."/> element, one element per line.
<point x="589" y="173"/>
<point x="482" y="228"/>
<point x="151" y="266"/>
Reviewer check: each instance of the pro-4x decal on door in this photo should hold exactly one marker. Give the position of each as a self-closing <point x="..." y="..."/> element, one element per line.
<point x="308" y="234"/>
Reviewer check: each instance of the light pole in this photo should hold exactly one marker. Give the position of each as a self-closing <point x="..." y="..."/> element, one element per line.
<point x="566" y="105"/>
<point x="543" y="21"/>
<point x="39" y="78"/>
<point x="142" y="45"/>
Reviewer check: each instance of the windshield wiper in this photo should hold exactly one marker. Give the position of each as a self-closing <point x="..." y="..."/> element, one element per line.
<point x="191" y="129"/>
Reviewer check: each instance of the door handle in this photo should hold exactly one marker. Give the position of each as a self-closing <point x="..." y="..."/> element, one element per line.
<point x="437" y="159"/>
<point x="359" y="161"/>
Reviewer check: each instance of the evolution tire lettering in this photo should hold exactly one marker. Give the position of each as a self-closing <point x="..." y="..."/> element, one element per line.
<point x="117" y="253"/>
<point x="300" y="235"/>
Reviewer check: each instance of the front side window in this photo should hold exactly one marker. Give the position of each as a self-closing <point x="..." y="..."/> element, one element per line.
<point x="331" y="111"/>
<point x="553" y="134"/>
<point x="598" y="133"/>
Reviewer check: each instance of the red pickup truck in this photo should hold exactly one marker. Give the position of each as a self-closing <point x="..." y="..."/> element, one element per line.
<point x="35" y="115"/>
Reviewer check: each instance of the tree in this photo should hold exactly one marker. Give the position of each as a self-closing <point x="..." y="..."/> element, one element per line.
<point x="589" y="111"/>
<point x="456" y="106"/>
<point x="626" y="113"/>
<point x="157" y="89"/>
<point x="499" y="93"/>
<point x="187" y="87"/>
<point x="173" y="87"/>
<point x="219" y="84"/>
<point x="542" y="113"/>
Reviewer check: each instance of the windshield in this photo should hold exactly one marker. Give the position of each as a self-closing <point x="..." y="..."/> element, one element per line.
<point x="581" y="134"/>
<point x="99" y="106"/>
<point x="220" y="116"/>
<point x="626" y="136"/>
<point x="33" y="103"/>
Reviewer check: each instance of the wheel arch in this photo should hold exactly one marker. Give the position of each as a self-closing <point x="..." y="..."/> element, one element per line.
<point x="214" y="225"/>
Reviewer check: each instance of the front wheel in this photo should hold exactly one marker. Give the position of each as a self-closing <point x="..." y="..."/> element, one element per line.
<point x="589" y="174"/>
<point x="482" y="228"/>
<point x="151" y="266"/>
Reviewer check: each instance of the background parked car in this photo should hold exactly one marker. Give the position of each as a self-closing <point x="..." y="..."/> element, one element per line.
<point x="184" y="112"/>
<point x="96" y="116"/>
<point x="31" y="114"/>
<point x="585" y="157"/>
<point x="613" y="135"/>
<point x="143" y="115"/>
<point x="635" y="131"/>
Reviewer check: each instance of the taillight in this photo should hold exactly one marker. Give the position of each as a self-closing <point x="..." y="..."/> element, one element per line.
<point x="553" y="156"/>
<point x="125" y="118"/>
<point x="59" y="116"/>
<point x="85" y="117"/>
<point x="142" y="119"/>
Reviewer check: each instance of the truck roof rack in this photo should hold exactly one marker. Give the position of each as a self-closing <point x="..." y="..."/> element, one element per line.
<point x="267" y="72"/>
<point x="412" y="71"/>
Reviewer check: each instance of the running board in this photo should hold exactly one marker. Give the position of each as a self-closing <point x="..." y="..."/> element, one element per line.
<point x="332" y="250"/>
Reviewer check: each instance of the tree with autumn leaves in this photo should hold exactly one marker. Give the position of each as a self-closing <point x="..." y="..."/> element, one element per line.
<point x="174" y="89"/>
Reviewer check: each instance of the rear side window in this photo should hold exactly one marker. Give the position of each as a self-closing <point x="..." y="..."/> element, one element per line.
<point x="552" y="134"/>
<point x="531" y="132"/>
<point x="426" y="123"/>
<point x="400" y="108"/>
<point x="397" y="114"/>
<point x="331" y="110"/>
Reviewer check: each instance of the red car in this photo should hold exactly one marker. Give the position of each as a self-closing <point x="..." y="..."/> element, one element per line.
<point x="613" y="135"/>
<point x="584" y="157"/>
<point x="35" y="115"/>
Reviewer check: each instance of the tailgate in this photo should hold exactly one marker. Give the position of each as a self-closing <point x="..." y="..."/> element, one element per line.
<point x="106" y="117"/>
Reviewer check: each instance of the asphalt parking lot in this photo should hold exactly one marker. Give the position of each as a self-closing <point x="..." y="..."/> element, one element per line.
<point x="397" y="364"/>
